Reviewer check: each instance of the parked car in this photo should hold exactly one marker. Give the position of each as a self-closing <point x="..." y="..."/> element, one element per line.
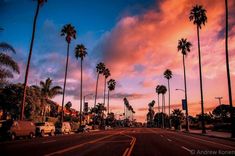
<point x="84" y="128"/>
<point x="43" y="128"/>
<point x="19" y="128"/>
<point x="63" y="128"/>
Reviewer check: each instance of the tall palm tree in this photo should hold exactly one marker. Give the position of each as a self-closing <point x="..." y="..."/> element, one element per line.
<point x="199" y="18"/>
<point x="70" y="33"/>
<point x="106" y="75"/>
<point x="7" y="62"/>
<point x="100" y="67"/>
<point x="46" y="92"/>
<point x="168" y="76"/>
<point x="163" y="91"/>
<point x="228" y="72"/>
<point x="184" y="46"/>
<point x="111" y="86"/>
<point x="158" y="93"/>
<point x="39" y="3"/>
<point x="80" y="52"/>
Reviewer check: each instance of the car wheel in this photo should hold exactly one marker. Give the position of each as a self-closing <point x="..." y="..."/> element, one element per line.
<point x="31" y="135"/>
<point x="13" y="136"/>
<point x="42" y="133"/>
<point x="52" y="133"/>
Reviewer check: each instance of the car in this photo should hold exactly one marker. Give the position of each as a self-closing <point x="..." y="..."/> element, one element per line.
<point x="43" y="128"/>
<point x="63" y="128"/>
<point x="18" y="128"/>
<point x="84" y="128"/>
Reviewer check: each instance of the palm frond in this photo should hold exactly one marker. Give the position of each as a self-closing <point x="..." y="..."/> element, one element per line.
<point x="9" y="62"/>
<point x="6" y="47"/>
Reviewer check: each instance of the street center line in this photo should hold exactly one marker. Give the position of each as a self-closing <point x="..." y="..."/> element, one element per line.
<point x="125" y="153"/>
<point x="44" y="142"/>
<point x="132" y="146"/>
<point x="169" y="140"/>
<point x="186" y="149"/>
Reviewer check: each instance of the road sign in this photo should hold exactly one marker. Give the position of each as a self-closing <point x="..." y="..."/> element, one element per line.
<point x="184" y="104"/>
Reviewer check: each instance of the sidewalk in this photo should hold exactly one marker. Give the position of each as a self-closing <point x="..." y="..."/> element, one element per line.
<point x="224" y="135"/>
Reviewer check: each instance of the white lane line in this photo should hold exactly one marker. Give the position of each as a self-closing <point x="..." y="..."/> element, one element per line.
<point x="44" y="142"/>
<point x="186" y="149"/>
<point x="169" y="140"/>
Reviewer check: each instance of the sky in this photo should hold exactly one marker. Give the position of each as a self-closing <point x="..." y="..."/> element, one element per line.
<point x="136" y="39"/>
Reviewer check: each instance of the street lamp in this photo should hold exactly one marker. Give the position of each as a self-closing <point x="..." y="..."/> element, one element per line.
<point x="180" y="89"/>
<point x="219" y="98"/>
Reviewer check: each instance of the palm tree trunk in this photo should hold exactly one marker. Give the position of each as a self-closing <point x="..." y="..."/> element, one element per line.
<point x="28" y="63"/>
<point x="169" y="100"/>
<point x="200" y="72"/>
<point x="185" y="93"/>
<point x="108" y="101"/>
<point x="65" y="78"/>
<point x="162" y="111"/>
<point x="158" y="111"/>
<point x="81" y="96"/>
<point x="228" y="74"/>
<point x="96" y="88"/>
<point x="104" y="89"/>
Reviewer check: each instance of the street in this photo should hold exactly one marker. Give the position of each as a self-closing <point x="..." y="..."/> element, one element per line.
<point x="120" y="142"/>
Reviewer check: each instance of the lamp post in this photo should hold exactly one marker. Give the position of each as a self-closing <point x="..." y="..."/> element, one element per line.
<point x="187" y="124"/>
<point x="219" y="98"/>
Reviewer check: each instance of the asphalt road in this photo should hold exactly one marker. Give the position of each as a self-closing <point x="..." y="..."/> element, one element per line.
<point x="120" y="142"/>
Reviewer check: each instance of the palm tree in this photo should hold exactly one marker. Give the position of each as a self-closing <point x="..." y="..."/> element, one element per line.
<point x="47" y="92"/>
<point x="106" y="75"/>
<point x="158" y="93"/>
<point x="80" y="52"/>
<point x="228" y="72"/>
<point x="7" y="62"/>
<point x="177" y="117"/>
<point x="163" y="91"/>
<point x="198" y="16"/>
<point x="111" y="86"/>
<point x="184" y="46"/>
<point x="39" y="3"/>
<point x="168" y="76"/>
<point x="100" y="67"/>
<point x="70" y="33"/>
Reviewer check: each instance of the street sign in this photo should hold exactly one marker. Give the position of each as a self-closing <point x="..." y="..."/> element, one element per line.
<point x="184" y="104"/>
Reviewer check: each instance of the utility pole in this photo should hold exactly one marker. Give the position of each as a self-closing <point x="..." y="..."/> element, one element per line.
<point x="219" y="98"/>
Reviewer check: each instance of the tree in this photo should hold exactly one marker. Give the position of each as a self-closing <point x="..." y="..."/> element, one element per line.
<point x="46" y="92"/>
<point x="80" y="52"/>
<point x="6" y="63"/>
<point x="100" y="67"/>
<point x="163" y="91"/>
<point x="39" y="4"/>
<point x="176" y="118"/>
<point x="98" y="110"/>
<point x="151" y="113"/>
<point x="228" y="72"/>
<point x="106" y="75"/>
<point x="222" y="112"/>
<point x="184" y="46"/>
<point x="158" y="93"/>
<point x="168" y="76"/>
<point x="68" y="106"/>
<point x="70" y="33"/>
<point x="111" y="86"/>
<point x="198" y="16"/>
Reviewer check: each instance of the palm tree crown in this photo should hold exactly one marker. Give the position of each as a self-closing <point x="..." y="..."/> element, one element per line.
<point x="100" y="67"/>
<point x="80" y="51"/>
<point x="168" y="74"/>
<point x="111" y="84"/>
<point x="198" y="15"/>
<point x="69" y="31"/>
<point x="184" y="46"/>
<point x="106" y="73"/>
<point x="163" y="89"/>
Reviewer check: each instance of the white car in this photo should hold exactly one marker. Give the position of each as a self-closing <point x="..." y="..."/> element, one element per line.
<point x="43" y="128"/>
<point x="64" y="128"/>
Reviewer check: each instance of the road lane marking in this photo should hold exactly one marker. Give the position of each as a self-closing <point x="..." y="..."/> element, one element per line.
<point x="79" y="145"/>
<point x="169" y="140"/>
<point x="125" y="153"/>
<point x="49" y="141"/>
<point x="186" y="149"/>
<point x="215" y="143"/>
<point x="132" y="146"/>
